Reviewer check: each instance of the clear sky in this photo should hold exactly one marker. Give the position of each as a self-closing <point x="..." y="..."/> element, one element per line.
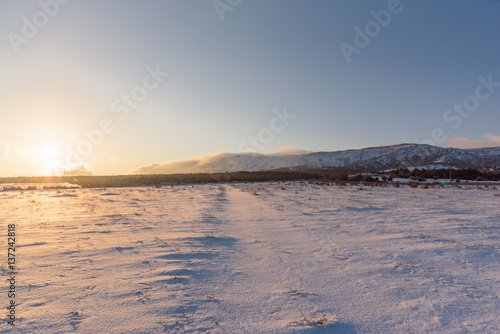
<point x="116" y="85"/>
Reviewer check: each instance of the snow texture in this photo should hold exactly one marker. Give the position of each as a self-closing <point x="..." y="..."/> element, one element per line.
<point x="255" y="258"/>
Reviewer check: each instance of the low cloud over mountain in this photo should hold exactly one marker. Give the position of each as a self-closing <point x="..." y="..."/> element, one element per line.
<point x="489" y="141"/>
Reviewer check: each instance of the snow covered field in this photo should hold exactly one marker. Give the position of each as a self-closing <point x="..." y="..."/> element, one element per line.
<point x="256" y="258"/>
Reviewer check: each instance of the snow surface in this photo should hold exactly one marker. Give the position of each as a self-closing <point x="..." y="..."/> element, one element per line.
<point x="254" y="258"/>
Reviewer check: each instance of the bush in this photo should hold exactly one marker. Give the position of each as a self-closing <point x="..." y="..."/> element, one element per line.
<point x="368" y="178"/>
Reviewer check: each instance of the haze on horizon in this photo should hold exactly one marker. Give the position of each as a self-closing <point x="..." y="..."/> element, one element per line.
<point x="112" y="86"/>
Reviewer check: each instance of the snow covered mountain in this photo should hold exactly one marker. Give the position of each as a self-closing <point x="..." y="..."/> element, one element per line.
<point x="367" y="159"/>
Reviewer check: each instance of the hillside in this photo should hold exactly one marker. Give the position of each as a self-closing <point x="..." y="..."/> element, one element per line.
<point x="368" y="159"/>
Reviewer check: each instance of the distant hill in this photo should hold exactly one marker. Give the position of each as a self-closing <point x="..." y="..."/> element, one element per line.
<point x="360" y="160"/>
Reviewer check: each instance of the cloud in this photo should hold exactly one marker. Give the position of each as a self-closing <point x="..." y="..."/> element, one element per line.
<point x="291" y="151"/>
<point x="207" y="159"/>
<point x="489" y="141"/>
<point x="80" y="170"/>
<point x="221" y="162"/>
<point x="211" y="163"/>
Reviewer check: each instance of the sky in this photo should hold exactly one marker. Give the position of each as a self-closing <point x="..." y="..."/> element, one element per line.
<point x="111" y="86"/>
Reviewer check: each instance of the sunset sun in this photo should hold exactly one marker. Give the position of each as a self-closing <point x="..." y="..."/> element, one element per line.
<point x="50" y="154"/>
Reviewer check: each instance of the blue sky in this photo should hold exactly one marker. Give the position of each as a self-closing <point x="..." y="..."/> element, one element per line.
<point x="68" y="77"/>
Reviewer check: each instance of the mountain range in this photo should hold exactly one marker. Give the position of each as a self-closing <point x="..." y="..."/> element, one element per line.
<point x="356" y="160"/>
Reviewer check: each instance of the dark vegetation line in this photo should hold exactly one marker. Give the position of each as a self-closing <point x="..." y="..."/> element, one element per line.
<point x="470" y="174"/>
<point x="163" y="179"/>
<point x="166" y="179"/>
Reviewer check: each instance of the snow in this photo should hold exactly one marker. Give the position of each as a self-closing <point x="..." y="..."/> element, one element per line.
<point x="368" y="159"/>
<point x="255" y="258"/>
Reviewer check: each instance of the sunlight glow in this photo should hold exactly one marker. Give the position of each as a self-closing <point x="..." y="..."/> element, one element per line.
<point x="49" y="154"/>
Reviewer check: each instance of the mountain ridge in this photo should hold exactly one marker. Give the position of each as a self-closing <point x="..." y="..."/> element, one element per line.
<point x="352" y="160"/>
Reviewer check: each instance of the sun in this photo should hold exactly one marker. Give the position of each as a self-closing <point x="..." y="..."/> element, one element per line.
<point x="49" y="154"/>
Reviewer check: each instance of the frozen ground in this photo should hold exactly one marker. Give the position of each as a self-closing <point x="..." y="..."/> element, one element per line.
<point x="261" y="258"/>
